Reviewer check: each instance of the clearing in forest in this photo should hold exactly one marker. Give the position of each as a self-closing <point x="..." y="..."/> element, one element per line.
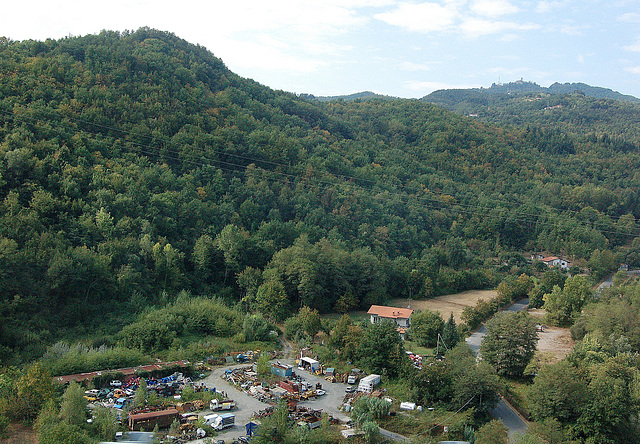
<point x="447" y="304"/>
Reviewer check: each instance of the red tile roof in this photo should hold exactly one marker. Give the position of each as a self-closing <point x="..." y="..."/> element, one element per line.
<point x="390" y="312"/>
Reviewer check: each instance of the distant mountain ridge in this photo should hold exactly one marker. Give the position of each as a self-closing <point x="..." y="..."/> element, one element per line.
<point x="363" y="95"/>
<point x="448" y="97"/>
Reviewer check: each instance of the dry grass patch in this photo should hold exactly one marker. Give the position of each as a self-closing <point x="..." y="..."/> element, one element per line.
<point x="450" y="303"/>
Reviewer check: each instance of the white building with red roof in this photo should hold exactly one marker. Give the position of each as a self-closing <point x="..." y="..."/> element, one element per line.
<point x="401" y="316"/>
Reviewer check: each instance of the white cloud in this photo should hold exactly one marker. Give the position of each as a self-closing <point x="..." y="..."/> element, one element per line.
<point x="630" y="17"/>
<point x="493" y="8"/>
<point x="546" y="6"/>
<point x="410" y="66"/>
<point x="474" y="27"/>
<point x="635" y="47"/>
<point x="268" y="56"/>
<point x="633" y="70"/>
<point x="424" y="87"/>
<point x="421" y="17"/>
<point x="572" y="30"/>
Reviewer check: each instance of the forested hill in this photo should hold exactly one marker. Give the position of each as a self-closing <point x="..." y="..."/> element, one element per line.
<point x="136" y="165"/>
<point x="452" y="97"/>
<point x="584" y="112"/>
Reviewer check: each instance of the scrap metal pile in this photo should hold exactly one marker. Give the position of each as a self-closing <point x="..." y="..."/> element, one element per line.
<point x="245" y="379"/>
<point x="300" y="415"/>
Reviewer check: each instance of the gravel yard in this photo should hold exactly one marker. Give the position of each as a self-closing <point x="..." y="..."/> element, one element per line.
<point x="247" y="404"/>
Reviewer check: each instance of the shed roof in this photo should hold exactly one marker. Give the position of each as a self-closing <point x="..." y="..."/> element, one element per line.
<point x="390" y="312"/>
<point x="155" y="414"/>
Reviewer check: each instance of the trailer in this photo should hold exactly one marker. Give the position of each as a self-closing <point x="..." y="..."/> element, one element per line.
<point x="309" y="364"/>
<point x="147" y="421"/>
<point x="220" y="421"/>
<point x="368" y="383"/>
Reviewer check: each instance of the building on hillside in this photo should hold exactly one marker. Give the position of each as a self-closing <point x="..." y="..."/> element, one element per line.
<point x="554" y="261"/>
<point x="401" y="316"/>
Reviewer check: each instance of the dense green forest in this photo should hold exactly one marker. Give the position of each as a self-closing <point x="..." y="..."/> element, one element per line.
<point x="136" y="165"/>
<point x="153" y="203"/>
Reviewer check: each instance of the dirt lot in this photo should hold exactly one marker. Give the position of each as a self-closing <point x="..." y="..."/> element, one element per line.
<point x="554" y="341"/>
<point x="451" y="303"/>
<point x="19" y="434"/>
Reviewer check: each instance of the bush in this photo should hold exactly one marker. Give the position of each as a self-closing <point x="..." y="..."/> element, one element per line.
<point x="64" y="359"/>
<point x="256" y="328"/>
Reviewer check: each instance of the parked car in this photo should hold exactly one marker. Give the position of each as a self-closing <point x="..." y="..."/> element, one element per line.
<point x="116" y="383"/>
<point x="350" y="389"/>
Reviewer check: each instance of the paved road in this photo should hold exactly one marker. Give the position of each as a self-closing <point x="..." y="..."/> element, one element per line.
<point x="503" y="411"/>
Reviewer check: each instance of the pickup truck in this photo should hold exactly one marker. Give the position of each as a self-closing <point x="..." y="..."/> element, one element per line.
<point x="227" y="404"/>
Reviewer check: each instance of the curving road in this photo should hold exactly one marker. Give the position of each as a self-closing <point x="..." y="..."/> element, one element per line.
<point x="503" y="411"/>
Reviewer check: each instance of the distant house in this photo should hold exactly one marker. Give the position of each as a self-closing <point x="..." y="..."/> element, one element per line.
<point x="554" y="261"/>
<point x="401" y="316"/>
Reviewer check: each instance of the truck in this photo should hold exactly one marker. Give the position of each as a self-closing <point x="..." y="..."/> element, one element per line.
<point x="226" y="404"/>
<point x="220" y="421"/>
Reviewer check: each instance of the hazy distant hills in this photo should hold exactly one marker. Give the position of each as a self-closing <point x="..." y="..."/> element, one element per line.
<point x="450" y="98"/>
<point x="364" y="95"/>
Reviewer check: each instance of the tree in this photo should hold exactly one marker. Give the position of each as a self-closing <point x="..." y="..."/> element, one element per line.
<point x="450" y="334"/>
<point x="140" y="398"/>
<point x="72" y="409"/>
<point x="256" y="327"/>
<point x="381" y="349"/>
<point x="233" y="242"/>
<point x="433" y="384"/>
<point x="549" y="279"/>
<point x="272" y="300"/>
<point x="510" y="342"/>
<point x="425" y="327"/>
<point x="613" y="401"/>
<point x="310" y="320"/>
<point x="558" y="392"/>
<point x="371" y="431"/>
<point x="369" y="409"/>
<point x="563" y="305"/>
<point x="275" y="427"/>
<point x="105" y="421"/>
<point x="63" y="433"/>
<point x="263" y="365"/>
<point x="34" y="388"/>
<point x="493" y="432"/>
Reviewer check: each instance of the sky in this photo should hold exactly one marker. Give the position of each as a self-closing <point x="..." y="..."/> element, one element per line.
<point x="399" y="48"/>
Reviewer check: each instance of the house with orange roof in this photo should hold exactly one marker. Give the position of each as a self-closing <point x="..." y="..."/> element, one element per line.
<point x="401" y="316"/>
<point x="554" y="261"/>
